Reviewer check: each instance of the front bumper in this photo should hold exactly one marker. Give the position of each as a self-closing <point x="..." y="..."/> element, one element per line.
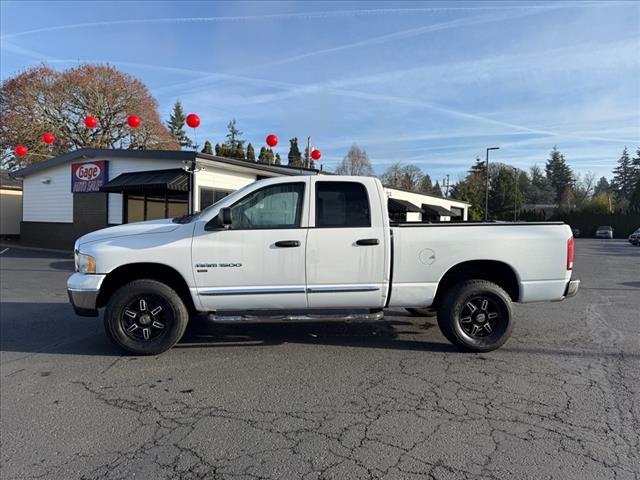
<point x="572" y="288"/>
<point x="83" y="290"/>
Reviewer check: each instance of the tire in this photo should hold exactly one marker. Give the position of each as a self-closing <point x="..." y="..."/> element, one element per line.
<point x="422" y="312"/>
<point x="130" y="321"/>
<point x="484" y="329"/>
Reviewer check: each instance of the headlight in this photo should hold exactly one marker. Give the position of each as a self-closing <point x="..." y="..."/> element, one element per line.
<point x="85" y="263"/>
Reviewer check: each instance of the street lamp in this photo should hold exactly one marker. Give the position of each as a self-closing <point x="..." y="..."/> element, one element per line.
<point x="486" y="193"/>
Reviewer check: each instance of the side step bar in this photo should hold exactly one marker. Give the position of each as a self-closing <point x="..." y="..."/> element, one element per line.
<point x="301" y="316"/>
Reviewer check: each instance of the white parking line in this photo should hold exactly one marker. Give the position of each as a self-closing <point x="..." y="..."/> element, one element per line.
<point x="5" y="250"/>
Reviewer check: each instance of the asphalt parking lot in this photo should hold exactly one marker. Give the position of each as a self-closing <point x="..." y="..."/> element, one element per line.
<point x="561" y="400"/>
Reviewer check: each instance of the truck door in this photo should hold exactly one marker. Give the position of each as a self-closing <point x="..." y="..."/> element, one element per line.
<point x="346" y="246"/>
<point x="259" y="261"/>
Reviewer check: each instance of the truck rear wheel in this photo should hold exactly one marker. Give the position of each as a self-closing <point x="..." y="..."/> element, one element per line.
<point x="145" y="317"/>
<point x="476" y="315"/>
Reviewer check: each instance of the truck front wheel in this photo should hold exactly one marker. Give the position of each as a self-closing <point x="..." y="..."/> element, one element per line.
<point x="145" y="317"/>
<point x="476" y="315"/>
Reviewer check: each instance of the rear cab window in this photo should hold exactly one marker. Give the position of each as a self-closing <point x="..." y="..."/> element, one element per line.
<point x="342" y="205"/>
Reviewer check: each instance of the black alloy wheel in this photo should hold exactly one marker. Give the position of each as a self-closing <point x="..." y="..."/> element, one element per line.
<point x="146" y="318"/>
<point x="476" y="315"/>
<point x="480" y="316"/>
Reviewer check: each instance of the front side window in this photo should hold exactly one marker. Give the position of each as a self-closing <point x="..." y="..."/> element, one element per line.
<point x="275" y="206"/>
<point x="342" y="204"/>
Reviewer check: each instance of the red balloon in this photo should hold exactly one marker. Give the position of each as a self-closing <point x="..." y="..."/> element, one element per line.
<point x="21" y="150"/>
<point x="134" y="121"/>
<point x="272" y="140"/>
<point x="48" y="138"/>
<point x="315" y="154"/>
<point x="193" y="120"/>
<point x="91" y="122"/>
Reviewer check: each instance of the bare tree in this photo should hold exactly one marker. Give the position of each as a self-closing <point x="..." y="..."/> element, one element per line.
<point x="583" y="188"/>
<point x="44" y="100"/>
<point x="355" y="162"/>
<point x="408" y="177"/>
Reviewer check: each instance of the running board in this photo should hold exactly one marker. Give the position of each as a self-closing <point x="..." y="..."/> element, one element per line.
<point x="293" y="317"/>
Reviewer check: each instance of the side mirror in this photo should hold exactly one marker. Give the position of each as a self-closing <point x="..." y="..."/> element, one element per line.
<point x="224" y="217"/>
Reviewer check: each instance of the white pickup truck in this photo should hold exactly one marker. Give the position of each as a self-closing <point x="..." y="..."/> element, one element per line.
<point x="299" y="248"/>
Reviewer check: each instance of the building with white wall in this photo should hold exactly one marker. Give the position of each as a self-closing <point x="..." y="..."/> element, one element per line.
<point x="88" y="189"/>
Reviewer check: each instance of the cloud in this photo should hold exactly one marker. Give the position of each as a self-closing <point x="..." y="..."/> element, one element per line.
<point x="329" y="14"/>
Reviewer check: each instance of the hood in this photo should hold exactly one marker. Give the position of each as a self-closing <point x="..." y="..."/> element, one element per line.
<point x="127" y="229"/>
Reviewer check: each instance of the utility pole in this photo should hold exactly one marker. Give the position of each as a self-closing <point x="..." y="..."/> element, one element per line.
<point x="307" y="160"/>
<point x="486" y="193"/>
<point x="515" y="201"/>
<point x="445" y="184"/>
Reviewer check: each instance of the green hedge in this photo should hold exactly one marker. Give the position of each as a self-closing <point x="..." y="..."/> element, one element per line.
<point x="623" y="224"/>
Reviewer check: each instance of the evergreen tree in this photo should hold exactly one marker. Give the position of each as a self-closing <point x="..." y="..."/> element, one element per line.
<point x="602" y="186"/>
<point x="559" y="175"/>
<point x="176" y="126"/>
<point x="306" y="157"/>
<point x="624" y="176"/>
<point x="540" y="190"/>
<point x="207" y="148"/>
<point x="266" y="156"/>
<point x="251" y="154"/>
<point x="278" y="159"/>
<point x="295" y="157"/>
<point x="218" y="150"/>
<point x="238" y="152"/>
<point x="437" y="190"/>
<point x="425" y="185"/>
<point x="233" y="137"/>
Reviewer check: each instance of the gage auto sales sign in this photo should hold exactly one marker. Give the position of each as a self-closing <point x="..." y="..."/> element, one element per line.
<point x="88" y="177"/>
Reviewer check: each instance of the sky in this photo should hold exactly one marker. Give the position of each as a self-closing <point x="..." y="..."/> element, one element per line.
<point x="425" y="83"/>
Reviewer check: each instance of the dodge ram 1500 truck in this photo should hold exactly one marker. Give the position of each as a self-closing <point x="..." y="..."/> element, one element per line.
<point x="297" y="248"/>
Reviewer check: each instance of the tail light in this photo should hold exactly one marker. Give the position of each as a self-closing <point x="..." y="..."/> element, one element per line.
<point x="570" y="253"/>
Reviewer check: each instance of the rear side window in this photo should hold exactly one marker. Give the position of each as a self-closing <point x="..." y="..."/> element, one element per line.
<point x="342" y="204"/>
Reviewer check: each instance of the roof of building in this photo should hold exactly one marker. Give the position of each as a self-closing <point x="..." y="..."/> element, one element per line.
<point x="437" y="210"/>
<point x="184" y="155"/>
<point x="399" y="205"/>
<point x="9" y="183"/>
<point x="426" y="194"/>
<point x="149" y="181"/>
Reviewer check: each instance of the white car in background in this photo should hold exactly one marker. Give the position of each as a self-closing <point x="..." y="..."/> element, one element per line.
<point x="604" y="232"/>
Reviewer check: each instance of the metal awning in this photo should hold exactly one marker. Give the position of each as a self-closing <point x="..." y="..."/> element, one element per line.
<point x="437" y="210"/>
<point x="151" y="181"/>
<point x="401" y="206"/>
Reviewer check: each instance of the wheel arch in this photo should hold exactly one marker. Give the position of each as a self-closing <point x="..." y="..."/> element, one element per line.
<point x="498" y="272"/>
<point x="145" y="270"/>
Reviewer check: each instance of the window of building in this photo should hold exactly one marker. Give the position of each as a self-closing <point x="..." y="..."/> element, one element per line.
<point x="342" y="204"/>
<point x="209" y="196"/>
<point x="275" y="206"/>
<point x="138" y="208"/>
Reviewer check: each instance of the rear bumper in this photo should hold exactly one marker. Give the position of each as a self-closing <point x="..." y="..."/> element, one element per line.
<point x="572" y="288"/>
<point x="83" y="290"/>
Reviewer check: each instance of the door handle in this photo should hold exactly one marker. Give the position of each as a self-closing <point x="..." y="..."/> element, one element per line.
<point x="368" y="241"/>
<point x="288" y="243"/>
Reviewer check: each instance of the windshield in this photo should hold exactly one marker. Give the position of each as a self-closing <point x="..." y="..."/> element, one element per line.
<point x="604" y="228"/>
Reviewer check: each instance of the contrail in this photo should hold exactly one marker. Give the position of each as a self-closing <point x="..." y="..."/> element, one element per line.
<point x="303" y="15"/>
<point x="412" y="32"/>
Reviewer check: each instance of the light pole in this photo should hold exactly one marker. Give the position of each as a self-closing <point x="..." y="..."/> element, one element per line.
<point x="515" y="201"/>
<point x="486" y="193"/>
